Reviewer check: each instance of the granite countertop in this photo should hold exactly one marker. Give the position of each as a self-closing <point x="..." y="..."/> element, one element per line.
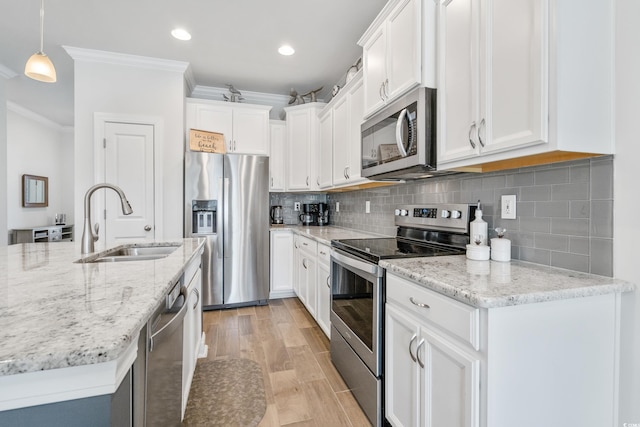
<point x="55" y="313"/>
<point x="491" y="284"/>
<point x="326" y="234"/>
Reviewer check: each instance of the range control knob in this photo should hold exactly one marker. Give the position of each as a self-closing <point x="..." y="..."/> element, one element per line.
<point x="397" y="212"/>
<point x="445" y="213"/>
<point x="404" y="212"/>
<point x="456" y="214"/>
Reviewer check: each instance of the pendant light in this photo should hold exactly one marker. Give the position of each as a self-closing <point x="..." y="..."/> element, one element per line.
<point x="39" y="66"/>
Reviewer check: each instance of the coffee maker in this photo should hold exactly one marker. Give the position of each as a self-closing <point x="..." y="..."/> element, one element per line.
<point x="309" y="215"/>
<point x="323" y="214"/>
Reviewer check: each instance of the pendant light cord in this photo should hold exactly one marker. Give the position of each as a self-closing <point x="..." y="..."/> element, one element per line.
<point x="41" y="26"/>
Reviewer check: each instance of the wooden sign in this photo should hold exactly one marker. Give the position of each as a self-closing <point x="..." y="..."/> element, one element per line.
<point x="207" y="142"/>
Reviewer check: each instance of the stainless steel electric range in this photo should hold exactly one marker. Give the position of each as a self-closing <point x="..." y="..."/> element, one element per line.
<point x="358" y="291"/>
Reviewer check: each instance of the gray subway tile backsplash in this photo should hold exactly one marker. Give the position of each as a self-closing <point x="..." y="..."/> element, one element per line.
<point x="564" y="210"/>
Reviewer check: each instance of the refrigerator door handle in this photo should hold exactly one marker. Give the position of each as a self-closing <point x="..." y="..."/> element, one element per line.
<point x="219" y="225"/>
<point x="227" y="224"/>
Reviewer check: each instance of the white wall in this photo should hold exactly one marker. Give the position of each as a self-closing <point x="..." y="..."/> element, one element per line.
<point x="627" y="201"/>
<point x="113" y="86"/>
<point x="37" y="146"/>
<point x="3" y="162"/>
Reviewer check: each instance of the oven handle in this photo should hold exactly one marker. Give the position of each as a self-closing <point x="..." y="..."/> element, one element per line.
<point x="367" y="267"/>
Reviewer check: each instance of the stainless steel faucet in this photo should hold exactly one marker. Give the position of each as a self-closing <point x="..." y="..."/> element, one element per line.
<point x="88" y="238"/>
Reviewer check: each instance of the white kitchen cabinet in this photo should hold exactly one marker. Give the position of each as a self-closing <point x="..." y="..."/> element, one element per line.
<point x="192" y="329"/>
<point x="306" y="273"/>
<point x="245" y="126"/>
<point x="431" y="380"/>
<point x="511" y="85"/>
<point x="281" y="260"/>
<point x="277" y="157"/>
<point x="398" y="52"/>
<point x="326" y="149"/>
<point x="547" y="363"/>
<point x="323" y="283"/>
<point x="303" y="134"/>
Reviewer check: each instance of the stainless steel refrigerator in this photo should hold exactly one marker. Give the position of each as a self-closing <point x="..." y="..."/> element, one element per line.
<point x="226" y="200"/>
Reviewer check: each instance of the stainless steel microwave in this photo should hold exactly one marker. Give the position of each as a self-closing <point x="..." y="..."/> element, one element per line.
<point x="399" y="142"/>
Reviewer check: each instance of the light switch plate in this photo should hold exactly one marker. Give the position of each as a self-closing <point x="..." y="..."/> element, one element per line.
<point x="367" y="207"/>
<point x="337" y="206"/>
<point x="508" y="210"/>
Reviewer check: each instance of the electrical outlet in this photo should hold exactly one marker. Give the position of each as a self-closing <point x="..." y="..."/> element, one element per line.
<point x="367" y="207"/>
<point x="508" y="207"/>
<point x="337" y="206"/>
<point x="296" y="206"/>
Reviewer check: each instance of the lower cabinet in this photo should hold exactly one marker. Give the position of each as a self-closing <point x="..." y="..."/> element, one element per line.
<point x="192" y="332"/>
<point x="431" y="381"/>
<point x="305" y="273"/>
<point x="323" y="283"/>
<point x="281" y="263"/>
<point x="550" y="363"/>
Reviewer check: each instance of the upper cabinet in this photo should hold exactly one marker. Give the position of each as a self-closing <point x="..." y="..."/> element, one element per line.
<point x="398" y="52"/>
<point x="245" y="126"/>
<point x="325" y="170"/>
<point x="277" y="159"/>
<point x="516" y="80"/>
<point x="303" y="135"/>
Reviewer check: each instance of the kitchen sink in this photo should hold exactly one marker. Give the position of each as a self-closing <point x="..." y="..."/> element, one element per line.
<point x="133" y="252"/>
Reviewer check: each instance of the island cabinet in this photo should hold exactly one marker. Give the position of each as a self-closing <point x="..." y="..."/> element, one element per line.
<point x="245" y="126"/>
<point x="281" y="261"/>
<point x="193" y="338"/>
<point x="550" y="363"/>
<point x="398" y="52"/>
<point x="512" y="82"/>
<point x="303" y="135"/>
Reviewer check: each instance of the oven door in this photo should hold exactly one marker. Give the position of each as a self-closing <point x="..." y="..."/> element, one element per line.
<point x="357" y="301"/>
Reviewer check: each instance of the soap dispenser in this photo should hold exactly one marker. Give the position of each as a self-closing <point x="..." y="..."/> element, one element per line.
<point x="478" y="228"/>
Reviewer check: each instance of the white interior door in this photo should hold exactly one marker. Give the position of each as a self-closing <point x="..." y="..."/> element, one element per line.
<point x="129" y="164"/>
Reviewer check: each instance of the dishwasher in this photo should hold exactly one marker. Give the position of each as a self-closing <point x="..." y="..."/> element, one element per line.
<point x="164" y="360"/>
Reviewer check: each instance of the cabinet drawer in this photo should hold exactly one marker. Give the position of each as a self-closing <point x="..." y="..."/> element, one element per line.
<point x="307" y="245"/>
<point x="324" y="254"/>
<point x="454" y="317"/>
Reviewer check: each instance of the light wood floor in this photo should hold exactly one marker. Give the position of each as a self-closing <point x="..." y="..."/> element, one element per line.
<point x="301" y="384"/>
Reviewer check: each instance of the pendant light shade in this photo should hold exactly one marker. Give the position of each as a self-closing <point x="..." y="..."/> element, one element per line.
<point x="39" y="66"/>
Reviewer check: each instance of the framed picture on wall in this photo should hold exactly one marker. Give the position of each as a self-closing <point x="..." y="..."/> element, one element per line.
<point x="35" y="191"/>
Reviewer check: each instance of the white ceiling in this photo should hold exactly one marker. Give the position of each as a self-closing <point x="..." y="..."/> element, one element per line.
<point x="234" y="41"/>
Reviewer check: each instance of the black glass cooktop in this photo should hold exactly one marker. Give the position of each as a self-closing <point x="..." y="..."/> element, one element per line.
<point x="381" y="248"/>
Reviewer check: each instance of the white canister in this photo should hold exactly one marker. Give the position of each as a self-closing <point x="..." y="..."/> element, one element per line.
<point x="500" y="249"/>
<point x="478" y="252"/>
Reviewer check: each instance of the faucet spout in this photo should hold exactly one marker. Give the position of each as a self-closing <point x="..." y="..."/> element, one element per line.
<point x="88" y="238"/>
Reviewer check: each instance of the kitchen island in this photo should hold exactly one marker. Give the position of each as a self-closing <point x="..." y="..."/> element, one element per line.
<point x="68" y="329"/>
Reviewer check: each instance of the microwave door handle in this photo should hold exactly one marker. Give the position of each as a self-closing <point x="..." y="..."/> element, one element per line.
<point x="399" y="142"/>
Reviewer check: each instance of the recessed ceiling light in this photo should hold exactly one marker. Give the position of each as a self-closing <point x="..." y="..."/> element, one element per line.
<point x="286" y="50"/>
<point x="181" y="34"/>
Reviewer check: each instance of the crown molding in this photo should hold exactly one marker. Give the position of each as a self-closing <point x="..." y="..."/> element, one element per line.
<point x="28" y="114"/>
<point x="91" y="55"/>
<point x="7" y="72"/>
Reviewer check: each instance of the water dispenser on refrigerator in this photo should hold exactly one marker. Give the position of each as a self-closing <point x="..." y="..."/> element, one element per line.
<point x="204" y="216"/>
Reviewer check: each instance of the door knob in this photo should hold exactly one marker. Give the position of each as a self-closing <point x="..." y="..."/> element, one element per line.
<point x="147" y="228"/>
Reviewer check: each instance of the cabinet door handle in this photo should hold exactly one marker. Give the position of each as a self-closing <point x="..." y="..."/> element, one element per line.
<point x="479" y="129"/>
<point x="420" y="362"/>
<point x="307" y="181"/>
<point x="272" y="181"/>
<point x="413" y="338"/>
<point x="380" y="91"/>
<point x="323" y="253"/>
<point x="198" y="299"/>
<point x="318" y="181"/>
<point x="328" y="282"/>
<point x="348" y="172"/>
<point x="473" y="125"/>
<point x="386" y="88"/>
<point x="304" y="263"/>
<point x="419" y="304"/>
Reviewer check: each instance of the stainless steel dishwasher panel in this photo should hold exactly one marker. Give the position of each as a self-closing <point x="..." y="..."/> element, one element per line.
<point x="164" y="360"/>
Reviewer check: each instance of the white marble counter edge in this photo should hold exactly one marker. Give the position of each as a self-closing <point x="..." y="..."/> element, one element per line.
<point x="477" y="300"/>
<point x="75" y="382"/>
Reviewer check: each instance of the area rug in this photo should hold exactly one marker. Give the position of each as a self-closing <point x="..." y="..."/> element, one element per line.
<point x="227" y="392"/>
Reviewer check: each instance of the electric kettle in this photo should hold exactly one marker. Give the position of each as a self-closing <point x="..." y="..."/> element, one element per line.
<point x="277" y="215"/>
